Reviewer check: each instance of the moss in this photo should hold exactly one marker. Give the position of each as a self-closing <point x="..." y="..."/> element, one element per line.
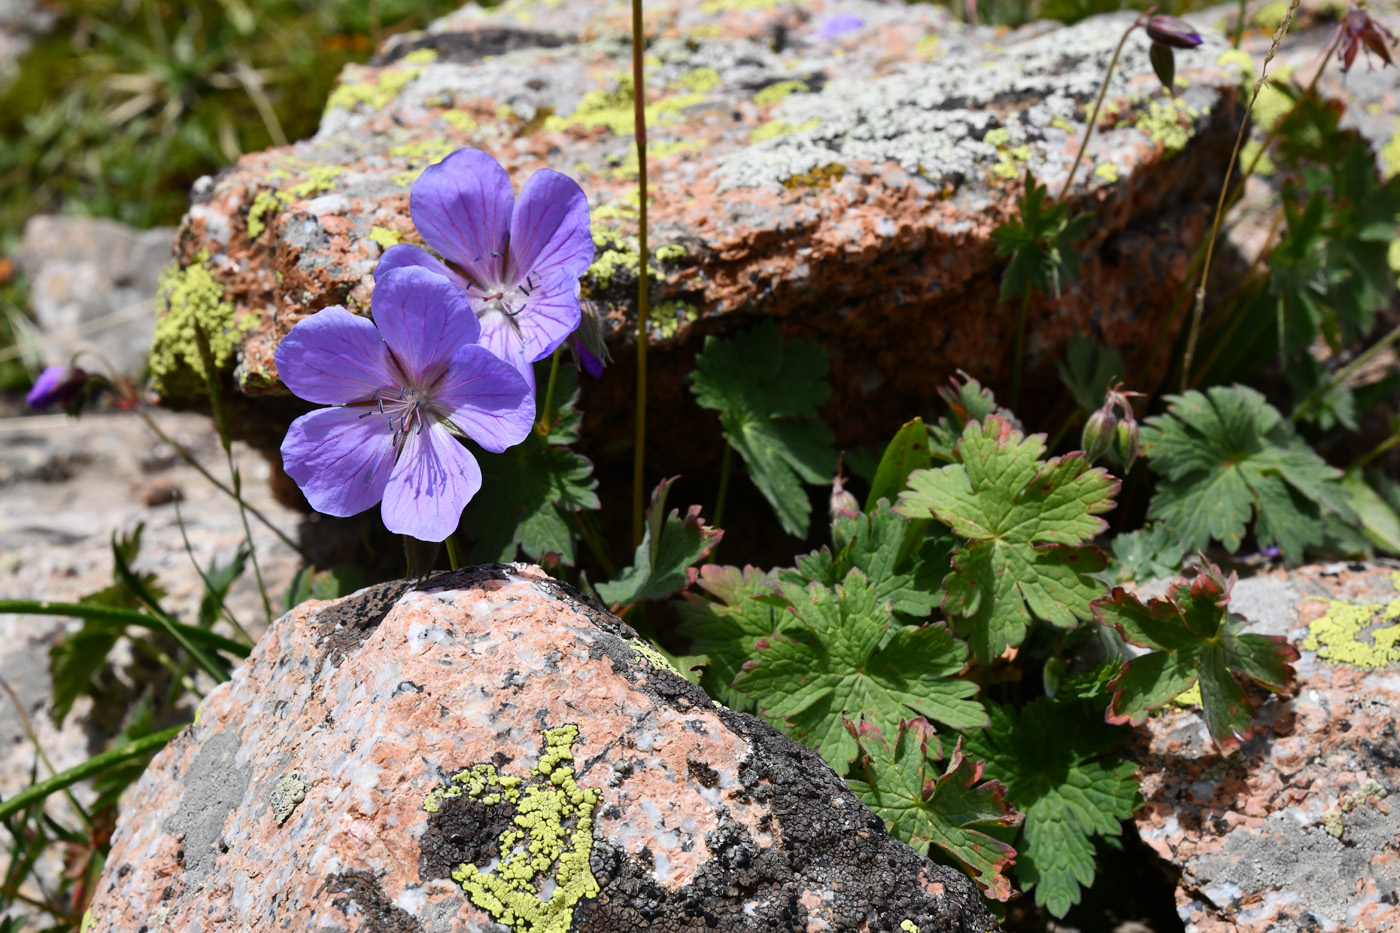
<point x="700" y="80"/>
<point x="614" y="110"/>
<point x="775" y="128"/>
<point x="421" y="56"/>
<point x="550" y="839"/>
<point x="820" y="177"/>
<point x="1167" y="123"/>
<point x="776" y="92"/>
<point x="373" y="94"/>
<point x="459" y="120"/>
<point x="1107" y="171"/>
<point x="385" y="237"/>
<point x="188" y="295"/>
<point x="1355" y="634"/>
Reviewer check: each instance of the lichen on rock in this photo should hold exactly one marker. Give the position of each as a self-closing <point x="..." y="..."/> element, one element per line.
<point x="186" y="296"/>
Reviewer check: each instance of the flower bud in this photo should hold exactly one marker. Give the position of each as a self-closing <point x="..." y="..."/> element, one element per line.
<point x="1098" y="433"/>
<point x="56" y="385"/>
<point x="1125" y="442"/>
<point x="842" y="502"/>
<point x="590" y="348"/>
<point x="1173" y="32"/>
<point x="1164" y="64"/>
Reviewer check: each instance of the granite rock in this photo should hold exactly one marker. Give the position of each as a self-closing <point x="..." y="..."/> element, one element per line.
<point x="92" y="285"/>
<point x="845" y="184"/>
<point x="391" y="761"/>
<point x="1299" y="829"/>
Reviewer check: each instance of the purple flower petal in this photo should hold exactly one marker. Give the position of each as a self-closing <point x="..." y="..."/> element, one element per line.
<point x="56" y="384"/>
<point x="462" y="208"/>
<point x="340" y="457"/>
<point x="549" y="232"/>
<point x="548" y="317"/>
<point x="591" y="364"/>
<point x="334" y="357"/>
<point x="501" y="336"/>
<point x="406" y="255"/>
<point x="487" y="398"/>
<point x="433" y="481"/>
<point x="838" y="25"/>
<point x="423" y="318"/>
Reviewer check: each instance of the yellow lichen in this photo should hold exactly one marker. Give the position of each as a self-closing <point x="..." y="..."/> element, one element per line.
<point x="775" y="128"/>
<point x="909" y="926"/>
<point x="550" y="839"/>
<point x="264" y="203"/>
<point x="1252" y="150"/>
<point x="374" y="93"/>
<point x="720" y="6"/>
<point x="614" y="109"/>
<point x="1191" y="696"/>
<point x="928" y="46"/>
<point x="1356" y="634"/>
<point x="421" y="56"/>
<point x="385" y="237"/>
<point x="700" y="80"/>
<point x="823" y="176"/>
<point x="1168" y="123"/>
<point x="460" y="120"/>
<point x="668" y="317"/>
<point x="1060" y="123"/>
<point x="1390" y="154"/>
<point x="776" y="92"/>
<point x="630" y="166"/>
<point x="319" y="179"/>
<point x="1107" y="171"/>
<point x="188" y="295"/>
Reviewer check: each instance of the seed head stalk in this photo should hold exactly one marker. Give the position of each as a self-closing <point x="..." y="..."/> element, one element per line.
<point x="640" y="120"/>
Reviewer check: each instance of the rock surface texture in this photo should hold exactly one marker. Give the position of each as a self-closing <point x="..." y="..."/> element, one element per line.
<point x="844" y="179"/>
<point x="489" y="751"/>
<point x="1300" y="829"/>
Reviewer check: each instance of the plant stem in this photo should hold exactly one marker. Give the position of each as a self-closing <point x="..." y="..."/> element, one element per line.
<point x="1385" y="445"/>
<point x="454" y="555"/>
<point x="640" y="121"/>
<point x="111" y="616"/>
<point x="546" y="422"/>
<point x="208" y="586"/>
<point x="1345" y="373"/>
<point x="248" y="535"/>
<point x="28" y="726"/>
<point x="96" y="765"/>
<point x="725" y="468"/>
<point x="1020" y="349"/>
<point x="1200" y="306"/>
<point x="1094" y="115"/>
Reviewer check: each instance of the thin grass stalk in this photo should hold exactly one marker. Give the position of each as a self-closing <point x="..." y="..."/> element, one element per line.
<point x="111" y="616"/>
<point x="546" y="422"/>
<point x="1345" y="373"/>
<point x="95" y="765"/>
<point x="1094" y="114"/>
<point x="1200" y="305"/>
<point x="208" y="587"/>
<point x="640" y="121"/>
<point x="28" y="726"/>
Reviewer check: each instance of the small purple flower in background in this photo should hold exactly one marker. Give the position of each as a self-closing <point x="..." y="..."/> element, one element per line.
<point x="404" y="389"/>
<point x="1172" y="32"/>
<point x="836" y="26"/>
<point x="55" y="385"/>
<point x="518" y="262"/>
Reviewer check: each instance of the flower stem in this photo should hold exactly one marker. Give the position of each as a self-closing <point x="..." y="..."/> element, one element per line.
<point x="1020" y="349"/>
<point x="1094" y="115"/>
<point x="724" y="471"/>
<point x="1345" y="373"/>
<point x="639" y="116"/>
<point x="454" y="555"/>
<point x="1377" y="451"/>
<point x="1200" y="306"/>
<point x="546" y="422"/>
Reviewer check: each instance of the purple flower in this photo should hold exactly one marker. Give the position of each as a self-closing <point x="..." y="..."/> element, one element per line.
<point x="55" y="385"/>
<point x="404" y="389"/>
<point x="1172" y="32"/>
<point x="517" y="261"/>
<point x="835" y="26"/>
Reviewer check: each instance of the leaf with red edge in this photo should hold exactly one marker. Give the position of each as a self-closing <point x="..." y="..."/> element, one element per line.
<point x="663" y="563"/>
<point x="1195" y="639"/>
<point x="924" y="804"/>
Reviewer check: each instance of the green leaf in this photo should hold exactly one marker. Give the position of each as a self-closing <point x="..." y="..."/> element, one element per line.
<point x="1150" y="553"/>
<point x="847" y="663"/>
<point x="1227" y="453"/>
<point x="663" y="561"/>
<point x="1038" y="243"/>
<point x="217" y="582"/>
<point x="767" y="392"/>
<point x="967" y="401"/>
<point x="118" y="755"/>
<point x="530" y="489"/>
<point x="1024" y="522"/>
<point x="1052" y="756"/>
<point x="1195" y="639"/>
<point x="727" y="628"/>
<point x="924" y="804"/>
<point x="1378" y="522"/>
<point x="75" y="660"/>
<point x="905" y="454"/>
<point x="1089" y="369"/>
<point x="307" y="583"/>
<point x="908" y="573"/>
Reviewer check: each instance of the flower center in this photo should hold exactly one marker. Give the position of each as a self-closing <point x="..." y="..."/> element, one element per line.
<point x="407" y="411"/>
<point x="508" y="300"/>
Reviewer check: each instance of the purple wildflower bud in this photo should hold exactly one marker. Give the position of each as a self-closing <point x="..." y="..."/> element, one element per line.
<point x="517" y="261"/>
<point x="1125" y="441"/>
<point x="1173" y="32"/>
<point x="1164" y="64"/>
<point x="1360" y="31"/>
<point x="56" y="385"/>
<point x="1098" y="433"/>
<point x="836" y="26"/>
<point x="402" y="391"/>
<point x="590" y="349"/>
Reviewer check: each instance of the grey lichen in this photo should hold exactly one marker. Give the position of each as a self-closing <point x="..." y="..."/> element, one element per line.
<point x="289" y="791"/>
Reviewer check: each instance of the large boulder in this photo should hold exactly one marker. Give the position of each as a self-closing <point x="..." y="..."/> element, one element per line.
<point x="1298" y="829"/>
<point x="490" y="750"/>
<point x="837" y="164"/>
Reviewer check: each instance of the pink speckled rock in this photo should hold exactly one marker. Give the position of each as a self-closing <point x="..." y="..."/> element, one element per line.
<point x="317" y="790"/>
<point x="1298" y="830"/>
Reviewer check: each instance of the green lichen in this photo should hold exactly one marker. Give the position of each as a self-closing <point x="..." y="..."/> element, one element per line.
<point x="614" y="109"/>
<point x="385" y="237"/>
<point x="909" y="926"/>
<point x="421" y="56"/>
<point x="374" y="94"/>
<point x="1168" y="124"/>
<point x="630" y="166"/>
<point x="1060" y="123"/>
<point x="1190" y="697"/>
<point x="264" y="203"/>
<point x="1356" y="634"/>
<point x="654" y="657"/>
<point x="775" y="128"/>
<point x="609" y="263"/>
<point x="188" y="295"/>
<point x="289" y="791"/>
<point x="823" y="176"/>
<point x="319" y="179"/>
<point x="1270" y="15"/>
<point x="460" y="120"/>
<point x="1107" y="171"/>
<point x="1332" y="823"/>
<point x="776" y="92"/>
<point x="700" y="80"/>
<point x="671" y="252"/>
<point x="88" y="923"/>
<point x="550" y="839"/>
<point x="1272" y="104"/>
<point x="668" y="316"/>
<point x="927" y="47"/>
